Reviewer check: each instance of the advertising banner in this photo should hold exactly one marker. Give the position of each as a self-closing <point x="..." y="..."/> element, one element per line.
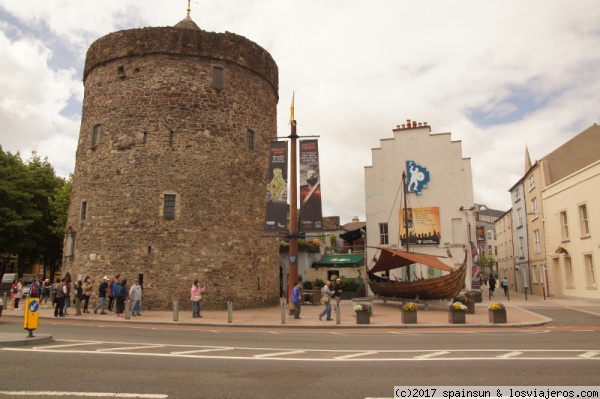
<point x="276" y="217"/>
<point x="423" y="226"/>
<point x="311" y="214"/>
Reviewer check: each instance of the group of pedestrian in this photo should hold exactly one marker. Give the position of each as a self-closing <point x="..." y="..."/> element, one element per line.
<point x="327" y="294"/>
<point x="115" y="290"/>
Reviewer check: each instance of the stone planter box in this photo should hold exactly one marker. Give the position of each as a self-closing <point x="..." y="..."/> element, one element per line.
<point x="457" y="317"/>
<point x="409" y="317"/>
<point x="478" y="296"/>
<point x="497" y="316"/>
<point x="363" y="318"/>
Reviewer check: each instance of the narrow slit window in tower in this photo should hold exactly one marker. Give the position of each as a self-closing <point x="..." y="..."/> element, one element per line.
<point x="218" y="81"/>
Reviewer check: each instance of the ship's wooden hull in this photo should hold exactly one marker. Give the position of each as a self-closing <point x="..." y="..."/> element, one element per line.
<point x="444" y="287"/>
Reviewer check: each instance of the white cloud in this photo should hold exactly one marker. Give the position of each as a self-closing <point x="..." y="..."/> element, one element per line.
<point x="498" y="75"/>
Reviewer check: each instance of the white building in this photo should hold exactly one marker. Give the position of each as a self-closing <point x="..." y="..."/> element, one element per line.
<point x="440" y="197"/>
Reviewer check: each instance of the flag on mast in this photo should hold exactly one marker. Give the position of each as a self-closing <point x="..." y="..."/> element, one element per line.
<point x="292" y="108"/>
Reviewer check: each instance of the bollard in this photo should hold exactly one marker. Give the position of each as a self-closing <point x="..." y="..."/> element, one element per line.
<point x="337" y="313"/>
<point x="127" y="309"/>
<point x="175" y="311"/>
<point x="283" y="313"/>
<point x="78" y="306"/>
<point x="229" y="312"/>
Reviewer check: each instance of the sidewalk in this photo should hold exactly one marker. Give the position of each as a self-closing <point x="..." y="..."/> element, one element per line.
<point x="384" y="315"/>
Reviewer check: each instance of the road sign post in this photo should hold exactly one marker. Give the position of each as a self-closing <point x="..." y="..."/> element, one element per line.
<point x="32" y="312"/>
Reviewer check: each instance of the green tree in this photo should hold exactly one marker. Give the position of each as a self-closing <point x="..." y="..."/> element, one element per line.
<point x="28" y="223"/>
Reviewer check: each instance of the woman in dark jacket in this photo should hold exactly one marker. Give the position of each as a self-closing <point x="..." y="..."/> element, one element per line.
<point x="122" y="294"/>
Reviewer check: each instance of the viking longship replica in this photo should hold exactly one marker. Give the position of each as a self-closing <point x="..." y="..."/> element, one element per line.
<point x="437" y="288"/>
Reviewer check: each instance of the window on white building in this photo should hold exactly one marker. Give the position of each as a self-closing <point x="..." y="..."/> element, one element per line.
<point x="590" y="272"/>
<point x="534" y="276"/>
<point x="568" y="272"/>
<point x="383" y="234"/>
<point x="564" y="226"/>
<point x="519" y="218"/>
<point x="531" y="182"/>
<point x="584" y="222"/>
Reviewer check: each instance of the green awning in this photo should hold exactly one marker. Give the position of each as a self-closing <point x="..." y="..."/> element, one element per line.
<point x="340" y="260"/>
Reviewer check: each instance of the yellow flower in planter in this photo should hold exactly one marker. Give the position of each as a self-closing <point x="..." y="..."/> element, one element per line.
<point x="497" y="306"/>
<point x="458" y="307"/>
<point x="409" y="307"/>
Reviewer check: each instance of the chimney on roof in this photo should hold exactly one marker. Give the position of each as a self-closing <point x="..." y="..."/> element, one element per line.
<point x="355" y="219"/>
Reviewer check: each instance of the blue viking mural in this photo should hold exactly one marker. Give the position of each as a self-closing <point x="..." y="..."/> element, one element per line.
<point x="418" y="177"/>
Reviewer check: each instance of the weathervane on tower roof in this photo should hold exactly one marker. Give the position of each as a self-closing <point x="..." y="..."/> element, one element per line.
<point x="189" y="8"/>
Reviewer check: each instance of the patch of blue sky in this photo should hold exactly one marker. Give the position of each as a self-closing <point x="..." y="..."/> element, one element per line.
<point x="73" y="108"/>
<point x="520" y="103"/>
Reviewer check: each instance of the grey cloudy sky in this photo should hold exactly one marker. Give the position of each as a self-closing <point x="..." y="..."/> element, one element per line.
<point x="498" y="75"/>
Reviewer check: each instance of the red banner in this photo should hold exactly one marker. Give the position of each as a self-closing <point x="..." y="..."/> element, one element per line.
<point x="311" y="214"/>
<point x="276" y="217"/>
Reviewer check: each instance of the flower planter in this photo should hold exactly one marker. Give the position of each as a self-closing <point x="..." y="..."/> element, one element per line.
<point x="497" y="316"/>
<point x="470" y="307"/>
<point x="409" y="317"/>
<point x="363" y="318"/>
<point x="457" y="317"/>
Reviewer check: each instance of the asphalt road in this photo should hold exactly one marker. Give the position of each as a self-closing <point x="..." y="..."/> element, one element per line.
<point x="158" y="361"/>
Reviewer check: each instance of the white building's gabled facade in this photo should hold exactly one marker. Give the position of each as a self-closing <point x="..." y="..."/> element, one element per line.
<point x="441" y="196"/>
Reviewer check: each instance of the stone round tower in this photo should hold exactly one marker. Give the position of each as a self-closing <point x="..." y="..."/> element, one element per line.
<point x="171" y="166"/>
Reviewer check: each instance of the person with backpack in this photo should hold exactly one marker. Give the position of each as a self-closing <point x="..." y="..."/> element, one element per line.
<point x="34" y="289"/>
<point x="102" y="291"/>
<point x="112" y="291"/>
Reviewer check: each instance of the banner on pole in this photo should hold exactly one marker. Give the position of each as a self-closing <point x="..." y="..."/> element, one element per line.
<point x="311" y="214"/>
<point x="276" y="217"/>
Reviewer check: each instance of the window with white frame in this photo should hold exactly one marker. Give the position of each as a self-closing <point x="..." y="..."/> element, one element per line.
<point x="534" y="275"/>
<point x="531" y="182"/>
<point x="521" y="248"/>
<point x="534" y="207"/>
<point x="536" y="242"/>
<point x="383" y="234"/>
<point x="489" y="234"/>
<point x="542" y="273"/>
<point x="584" y="222"/>
<point x="568" y="272"/>
<point x="564" y="226"/>
<point x="519" y="218"/>
<point x="590" y="272"/>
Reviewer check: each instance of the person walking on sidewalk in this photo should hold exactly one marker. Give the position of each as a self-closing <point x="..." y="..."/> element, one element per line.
<point x="504" y="285"/>
<point x="337" y="291"/>
<point x="326" y="294"/>
<point x="113" y="291"/>
<point x="296" y="299"/>
<point x="102" y="288"/>
<point x="135" y="295"/>
<point x="492" y="282"/>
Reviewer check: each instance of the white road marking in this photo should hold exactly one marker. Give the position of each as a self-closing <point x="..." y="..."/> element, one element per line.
<point x="430" y="355"/>
<point x="202" y="351"/>
<point x="264" y="355"/>
<point x="130" y="347"/>
<point x="509" y="354"/>
<point x="588" y="355"/>
<point x="354" y="355"/>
